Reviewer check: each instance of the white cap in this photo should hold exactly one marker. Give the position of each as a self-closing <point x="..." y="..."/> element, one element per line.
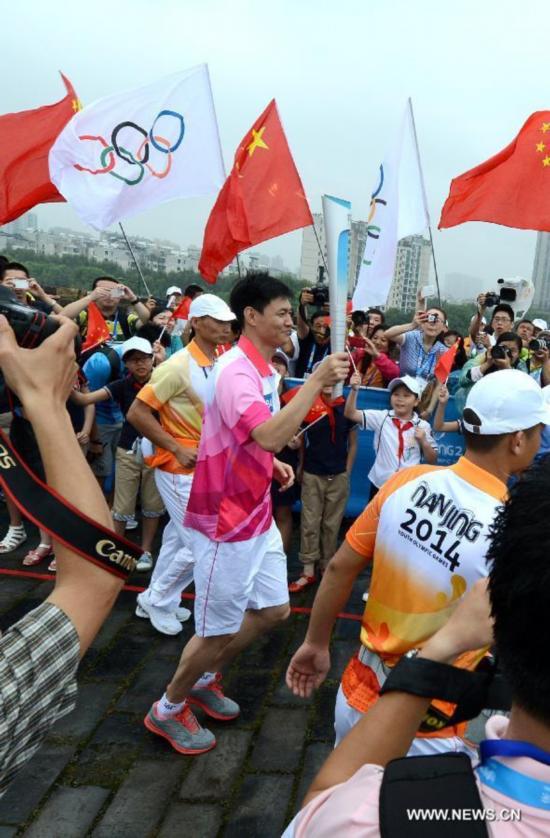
<point x="136" y="344"/>
<point x="409" y="382"/>
<point x="506" y="401"/>
<point x="173" y="290"/>
<point x="208" y="305"/>
<point x="539" y="323"/>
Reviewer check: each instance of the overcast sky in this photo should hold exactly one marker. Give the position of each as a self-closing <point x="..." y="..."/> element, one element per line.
<point x="340" y="72"/>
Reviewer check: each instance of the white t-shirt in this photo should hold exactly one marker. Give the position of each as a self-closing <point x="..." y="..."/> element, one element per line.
<point x="394" y="450"/>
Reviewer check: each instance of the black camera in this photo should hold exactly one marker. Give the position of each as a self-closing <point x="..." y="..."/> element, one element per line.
<point x="492" y="299"/>
<point x="499" y="353"/>
<point x="538" y="344"/>
<point x="30" y="325"/>
<point x="505" y="295"/>
<point x="320" y="295"/>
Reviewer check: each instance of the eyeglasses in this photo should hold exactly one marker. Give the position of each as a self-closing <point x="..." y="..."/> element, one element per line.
<point x="502" y="320"/>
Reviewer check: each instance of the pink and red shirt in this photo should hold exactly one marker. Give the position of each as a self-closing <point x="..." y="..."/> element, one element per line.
<point x="230" y="498"/>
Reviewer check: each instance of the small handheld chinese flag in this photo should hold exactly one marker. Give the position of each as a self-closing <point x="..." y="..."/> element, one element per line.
<point x="263" y="197"/>
<point x="27" y="137"/>
<point x="97" y="331"/>
<point x="445" y="363"/>
<point x="512" y="188"/>
<point x="317" y="409"/>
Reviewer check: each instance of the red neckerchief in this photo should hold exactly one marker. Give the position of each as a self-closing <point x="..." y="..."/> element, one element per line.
<point x="330" y="414"/>
<point x="135" y="384"/>
<point x="401" y="428"/>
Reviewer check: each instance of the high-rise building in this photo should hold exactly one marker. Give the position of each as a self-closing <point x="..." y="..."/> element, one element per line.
<point x="311" y="259"/>
<point x="412" y="270"/>
<point x="357" y="242"/>
<point x="541" y="272"/>
<point x="26" y="223"/>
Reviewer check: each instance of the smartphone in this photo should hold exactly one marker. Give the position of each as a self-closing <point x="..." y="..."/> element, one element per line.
<point x="428" y="291"/>
<point x="20" y="284"/>
<point x="116" y="293"/>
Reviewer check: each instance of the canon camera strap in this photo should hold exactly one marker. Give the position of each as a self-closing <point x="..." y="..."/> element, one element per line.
<point x="63" y="521"/>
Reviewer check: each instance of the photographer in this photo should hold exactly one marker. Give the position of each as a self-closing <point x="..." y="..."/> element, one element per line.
<point x="107" y="294"/>
<point x="502" y="318"/>
<point x="344" y="797"/>
<point x="420" y="341"/>
<point x="39" y="654"/>
<point x="313" y="334"/>
<point x="539" y="358"/>
<point x="14" y="275"/>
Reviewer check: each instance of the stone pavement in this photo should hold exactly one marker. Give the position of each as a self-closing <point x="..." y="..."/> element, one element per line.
<point x="101" y="773"/>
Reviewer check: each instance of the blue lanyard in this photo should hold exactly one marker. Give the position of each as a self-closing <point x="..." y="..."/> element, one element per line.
<point x="312" y="355"/>
<point x="512" y="748"/>
<point x="508" y="781"/>
<point x="424" y="358"/>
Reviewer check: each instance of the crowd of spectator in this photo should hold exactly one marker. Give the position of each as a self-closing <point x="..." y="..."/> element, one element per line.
<point x="176" y="411"/>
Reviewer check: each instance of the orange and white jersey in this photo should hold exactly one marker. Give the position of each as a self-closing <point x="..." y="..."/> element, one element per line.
<point x="427" y="531"/>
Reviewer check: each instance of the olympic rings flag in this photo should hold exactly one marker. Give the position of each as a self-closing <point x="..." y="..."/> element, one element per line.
<point x="127" y="153"/>
<point x="397" y="209"/>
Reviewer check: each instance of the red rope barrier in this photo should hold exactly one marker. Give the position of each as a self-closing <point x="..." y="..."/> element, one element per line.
<point x="49" y="577"/>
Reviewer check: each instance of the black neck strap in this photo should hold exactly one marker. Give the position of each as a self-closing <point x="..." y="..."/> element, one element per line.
<point x="64" y="522"/>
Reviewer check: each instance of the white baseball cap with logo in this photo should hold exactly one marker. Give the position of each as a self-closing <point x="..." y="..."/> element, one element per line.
<point x="504" y="402"/>
<point x="173" y="290"/>
<point x="406" y="381"/>
<point x="208" y="305"/>
<point x="136" y="344"/>
<point x="539" y="323"/>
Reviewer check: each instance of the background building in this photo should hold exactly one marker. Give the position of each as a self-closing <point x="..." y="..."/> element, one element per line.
<point x="541" y="272"/>
<point x="412" y="270"/>
<point x="311" y="259"/>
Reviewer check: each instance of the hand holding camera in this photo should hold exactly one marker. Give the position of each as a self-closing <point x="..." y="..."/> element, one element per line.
<point x="500" y="357"/>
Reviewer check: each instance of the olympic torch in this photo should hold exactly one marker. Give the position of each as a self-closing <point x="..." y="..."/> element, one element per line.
<point x="337" y="216"/>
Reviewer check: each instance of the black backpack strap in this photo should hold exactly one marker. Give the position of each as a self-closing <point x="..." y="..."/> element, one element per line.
<point x="444" y="785"/>
<point x="124" y="325"/>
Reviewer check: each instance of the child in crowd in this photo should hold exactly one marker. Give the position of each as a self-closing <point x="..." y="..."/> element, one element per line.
<point x="440" y="424"/>
<point x="328" y="452"/>
<point x="131" y="473"/>
<point x="401" y="438"/>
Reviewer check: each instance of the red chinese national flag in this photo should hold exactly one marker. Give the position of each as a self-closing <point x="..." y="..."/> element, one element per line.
<point x="317" y="409"/>
<point x="512" y="188"/>
<point x="445" y="363"/>
<point x="97" y="331"/>
<point x="27" y="137"/>
<point x="263" y="197"/>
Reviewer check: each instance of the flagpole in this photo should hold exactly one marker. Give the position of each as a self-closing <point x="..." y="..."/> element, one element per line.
<point x="320" y="250"/>
<point x="132" y="254"/>
<point x="424" y="197"/>
<point x="221" y="151"/>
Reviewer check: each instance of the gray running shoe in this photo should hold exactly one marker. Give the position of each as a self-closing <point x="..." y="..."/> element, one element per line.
<point x="214" y="703"/>
<point x="182" y="731"/>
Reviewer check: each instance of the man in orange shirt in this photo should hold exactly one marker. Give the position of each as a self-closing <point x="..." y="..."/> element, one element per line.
<point x="426" y="532"/>
<point x="176" y="392"/>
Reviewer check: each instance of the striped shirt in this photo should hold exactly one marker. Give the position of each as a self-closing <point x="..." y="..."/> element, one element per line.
<point x="413" y="358"/>
<point x="177" y="391"/>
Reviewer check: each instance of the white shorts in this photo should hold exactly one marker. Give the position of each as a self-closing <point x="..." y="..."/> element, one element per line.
<point x="231" y="577"/>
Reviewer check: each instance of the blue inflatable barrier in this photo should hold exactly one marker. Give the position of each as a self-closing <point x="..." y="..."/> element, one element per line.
<point x="451" y="446"/>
